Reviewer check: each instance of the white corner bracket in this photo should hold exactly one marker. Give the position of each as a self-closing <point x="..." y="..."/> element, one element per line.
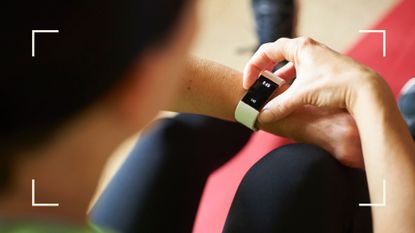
<point x="377" y="204"/>
<point x="383" y="37"/>
<point x="34" y="204"/>
<point x="33" y="37"/>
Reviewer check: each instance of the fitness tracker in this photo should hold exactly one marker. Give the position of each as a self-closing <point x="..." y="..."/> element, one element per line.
<point x="257" y="96"/>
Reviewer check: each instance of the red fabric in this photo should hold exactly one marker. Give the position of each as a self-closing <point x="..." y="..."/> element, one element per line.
<point x="399" y="64"/>
<point x="397" y="67"/>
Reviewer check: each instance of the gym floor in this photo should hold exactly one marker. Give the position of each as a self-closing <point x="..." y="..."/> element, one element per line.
<point x="227" y="35"/>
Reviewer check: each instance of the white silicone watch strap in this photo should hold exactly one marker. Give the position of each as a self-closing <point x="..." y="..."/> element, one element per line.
<point x="246" y="115"/>
<point x="273" y="77"/>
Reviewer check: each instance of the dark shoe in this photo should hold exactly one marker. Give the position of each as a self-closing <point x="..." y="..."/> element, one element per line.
<point x="274" y="19"/>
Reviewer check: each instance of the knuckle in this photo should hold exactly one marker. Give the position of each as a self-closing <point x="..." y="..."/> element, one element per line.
<point x="348" y="129"/>
<point x="264" y="46"/>
<point x="302" y="45"/>
<point x="282" y="39"/>
<point x="350" y="132"/>
<point x="306" y="41"/>
<point x="350" y="157"/>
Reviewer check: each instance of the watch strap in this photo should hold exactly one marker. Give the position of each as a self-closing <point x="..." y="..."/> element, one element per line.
<point x="249" y="106"/>
<point x="246" y="115"/>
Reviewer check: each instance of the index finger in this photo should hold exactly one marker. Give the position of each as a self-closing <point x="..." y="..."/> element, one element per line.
<point x="267" y="55"/>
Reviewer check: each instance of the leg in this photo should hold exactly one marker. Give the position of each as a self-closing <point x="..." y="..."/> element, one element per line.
<point x="159" y="186"/>
<point x="300" y="188"/>
<point x="274" y="19"/>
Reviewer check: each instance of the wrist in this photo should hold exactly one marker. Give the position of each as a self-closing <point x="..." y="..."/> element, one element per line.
<point x="368" y="91"/>
<point x="375" y="109"/>
<point x="256" y="97"/>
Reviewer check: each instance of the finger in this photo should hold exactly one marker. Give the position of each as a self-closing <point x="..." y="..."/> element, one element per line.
<point x="270" y="67"/>
<point x="258" y="62"/>
<point x="269" y="53"/>
<point x="280" y="107"/>
<point x="286" y="72"/>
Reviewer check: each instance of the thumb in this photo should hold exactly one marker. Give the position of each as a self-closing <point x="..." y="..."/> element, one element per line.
<point x="280" y="107"/>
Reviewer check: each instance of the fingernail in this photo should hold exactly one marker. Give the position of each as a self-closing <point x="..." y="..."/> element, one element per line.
<point x="244" y="86"/>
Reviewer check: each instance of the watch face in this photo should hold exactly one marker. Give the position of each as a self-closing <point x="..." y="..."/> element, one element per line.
<point x="259" y="93"/>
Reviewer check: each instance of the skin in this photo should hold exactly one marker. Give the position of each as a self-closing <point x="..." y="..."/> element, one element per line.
<point x="205" y="90"/>
<point x="74" y="157"/>
<point x="84" y="143"/>
<point x="326" y="78"/>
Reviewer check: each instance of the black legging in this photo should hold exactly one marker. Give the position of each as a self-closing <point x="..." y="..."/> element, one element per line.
<point x="295" y="188"/>
<point x="300" y="188"/>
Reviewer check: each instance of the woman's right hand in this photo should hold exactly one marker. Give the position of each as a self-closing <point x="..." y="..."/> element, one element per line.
<point x="324" y="78"/>
<point x="328" y="79"/>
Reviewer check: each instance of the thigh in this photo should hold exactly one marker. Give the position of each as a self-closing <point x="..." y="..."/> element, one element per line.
<point x="159" y="186"/>
<point x="300" y="188"/>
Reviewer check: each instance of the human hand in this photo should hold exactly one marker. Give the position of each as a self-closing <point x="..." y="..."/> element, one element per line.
<point x="324" y="78"/>
<point x="313" y="109"/>
<point x="325" y="127"/>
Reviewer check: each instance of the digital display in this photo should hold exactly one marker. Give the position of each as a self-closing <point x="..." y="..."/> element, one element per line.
<point x="259" y="93"/>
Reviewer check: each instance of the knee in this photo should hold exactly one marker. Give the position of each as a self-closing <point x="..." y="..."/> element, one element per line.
<point x="296" y="165"/>
<point x="289" y="186"/>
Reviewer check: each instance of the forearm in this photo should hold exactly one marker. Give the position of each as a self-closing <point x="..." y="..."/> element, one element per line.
<point x="208" y="88"/>
<point x="389" y="154"/>
<point x="212" y="89"/>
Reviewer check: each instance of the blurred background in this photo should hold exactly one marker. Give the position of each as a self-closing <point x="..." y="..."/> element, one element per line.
<point x="227" y="26"/>
<point x="227" y="34"/>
